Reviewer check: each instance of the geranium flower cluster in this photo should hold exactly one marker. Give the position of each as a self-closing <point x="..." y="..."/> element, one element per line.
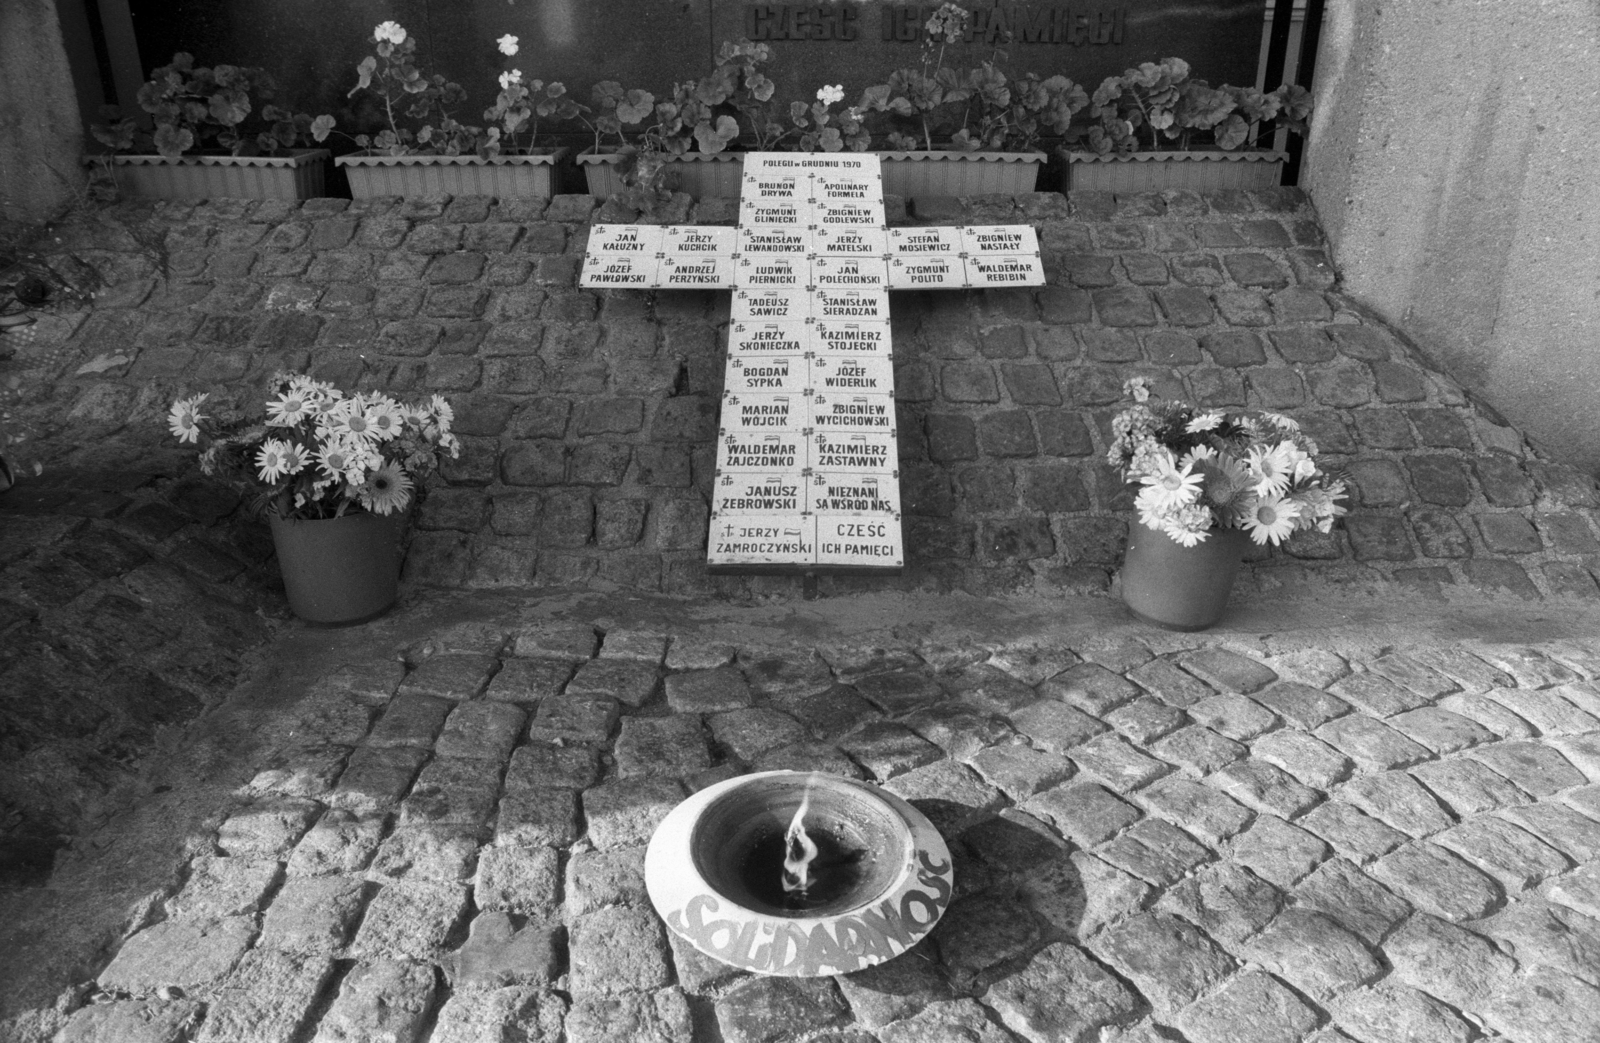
<point x="1210" y="469"/>
<point x="318" y="452"/>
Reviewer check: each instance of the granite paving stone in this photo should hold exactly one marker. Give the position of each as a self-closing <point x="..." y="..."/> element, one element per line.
<point x="1028" y="1002"/>
<point x="181" y="954"/>
<point x="1468" y="787"/>
<point x="266" y="998"/>
<point x="1020" y="771"/>
<point x="1456" y="965"/>
<point x="1577" y="836"/>
<point x="1536" y="768"/>
<point x="1252" y="1008"/>
<point x="1351" y="831"/>
<point x="1376" y="695"/>
<point x="664" y="1016"/>
<point x="1546" y="710"/>
<point x="1302" y="705"/>
<point x="410" y="920"/>
<point x="1371" y="744"/>
<point x="1310" y="760"/>
<point x="1264" y="788"/>
<point x="1341" y="891"/>
<point x="626" y="812"/>
<point x="675" y="746"/>
<point x="1169" y="961"/>
<point x="764" y="1010"/>
<point x="1541" y="933"/>
<point x="628" y="681"/>
<point x="1546" y="1007"/>
<point x="379" y="999"/>
<point x="1055" y="726"/>
<point x="1399" y="800"/>
<point x="313" y="914"/>
<point x="1163" y="679"/>
<point x="1224" y="900"/>
<point x="1277" y="851"/>
<point x="529" y="680"/>
<point x="1116" y="763"/>
<point x="1155" y="851"/>
<point x="889" y="748"/>
<point x="1441" y="730"/>
<point x="521" y="1012"/>
<point x="1393" y="1011"/>
<point x="1084" y="812"/>
<point x="1492" y="716"/>
<point x="1198" y="750"/>
<point x="340" y="842"/>
<point x="132" y="1021"/>
<point x="959" y="1019"/>
<point x="1436" y="881"/>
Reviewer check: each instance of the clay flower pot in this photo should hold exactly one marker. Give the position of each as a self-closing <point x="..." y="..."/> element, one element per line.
<point x="1176" y="587"/>
<point x="339" y="571"/>
<point x="881" y="879"/>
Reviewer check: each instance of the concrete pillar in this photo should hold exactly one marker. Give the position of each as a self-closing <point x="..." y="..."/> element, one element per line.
<point x="1452" y="158"/>
<point x="41" y="136"/>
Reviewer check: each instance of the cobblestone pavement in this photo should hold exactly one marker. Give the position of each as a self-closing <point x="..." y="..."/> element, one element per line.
<point x="589" y="417"/>
<point x="1325" y="821"/>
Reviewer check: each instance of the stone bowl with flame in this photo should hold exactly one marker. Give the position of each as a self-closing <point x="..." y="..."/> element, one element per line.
<point x="798" y="873"/>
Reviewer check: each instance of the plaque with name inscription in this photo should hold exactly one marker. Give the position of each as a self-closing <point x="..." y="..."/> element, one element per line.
<point x="807" y="461"/>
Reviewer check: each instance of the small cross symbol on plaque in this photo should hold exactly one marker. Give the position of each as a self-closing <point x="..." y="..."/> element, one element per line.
<point x="810" y="376"/>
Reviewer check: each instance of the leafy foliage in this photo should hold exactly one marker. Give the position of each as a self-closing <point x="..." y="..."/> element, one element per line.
<point x="980" y="108"/>
<point x="198" y="109"/>
<point x="1158" y="105"/>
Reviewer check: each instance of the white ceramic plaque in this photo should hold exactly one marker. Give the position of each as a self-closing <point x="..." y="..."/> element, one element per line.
<point x="763" y="241"/>
<point x="930" y="272"/>
<point x="694" y="241"/>
<point x="849" y="241"/>
<point x="835" y="492"/>
<point x="769" y="339"/>
<point x="786" y="185"/>
<point x="744" y="415"/>
<point x="871" y="374"/>
<point x="1005" y="270"/>
<point x="771" y="305"/>
<point x="758" y="164"/>
<point x="848" y="337"/>
<point x="829" y="189"/>
<point x="774" y="213"/>
<point x="849" y="273"/>
<point x="983" y="240"/>
<point x="746" y="493"/>
<point x="863" y="540"/>
<point x="846" y="305"/>
<point x="772" y="273"/>
<point x="785" y="374"/>
<point x="831" y="164"/>
<point x="849" y="215"/>
<point x="772" y="539"/>
<point x="773" y="451"/>
<point x="834" y="412"/>
<point x="857" y="453"/>
<point x="710" y="272"/>
<point x="619" y="271"/>
<point x="611" y="240"/>
<point x="933" y="241"/>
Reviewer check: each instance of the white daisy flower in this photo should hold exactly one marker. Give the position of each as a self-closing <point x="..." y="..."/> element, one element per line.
<point x="386" y="418"/>
<point x="390" y="31"/>
<point x="295" y="459"/>
<point x="507" y="45"/>
<point x="1271" y="470"/>
<point x="1281" y="422"/>
<point x="185" y="416"/>
<point x="272" y="460"/>
<point x="1271" y="518"/>
<point x="288" y="409"/>
<point x="387" y="490"/>
<point x="1173" y="485"/>
<point x="441" y="409"/>
<point x="1205" y="422"/>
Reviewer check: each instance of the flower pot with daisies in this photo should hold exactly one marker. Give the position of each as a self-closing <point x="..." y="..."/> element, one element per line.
<point x="336" y="475"/>
<point x="421" y="147"/>
<point x="1211" y="483"/>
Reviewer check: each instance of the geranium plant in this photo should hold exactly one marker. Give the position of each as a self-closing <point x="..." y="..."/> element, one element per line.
<point x="418" y="107"/>
<point x="1202" y="470"/>
<point x="1159" y="106"/>
<point x="317" y="452"/>
<point x="197" y="109"/>
<point x="823" y="130"/>
<point x="980" y="108"/>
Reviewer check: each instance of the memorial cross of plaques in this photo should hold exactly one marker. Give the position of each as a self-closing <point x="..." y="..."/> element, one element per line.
<point x="808" y="471"/>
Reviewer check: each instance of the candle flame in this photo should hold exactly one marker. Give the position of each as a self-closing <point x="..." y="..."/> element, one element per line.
<point x="798" y="850"/>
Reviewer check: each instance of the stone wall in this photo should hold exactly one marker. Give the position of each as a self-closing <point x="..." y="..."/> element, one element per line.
<point x="40" y="135"/>
<point x="1452" y="162"/>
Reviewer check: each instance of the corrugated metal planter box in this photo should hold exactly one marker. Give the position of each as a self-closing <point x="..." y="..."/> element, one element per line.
<point x="527" y="176"/>
<point x="951" y="173"/>
<point x="1159" y="171"/>
<point x="297" y="175"/>
<point x="702" y="175"/>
